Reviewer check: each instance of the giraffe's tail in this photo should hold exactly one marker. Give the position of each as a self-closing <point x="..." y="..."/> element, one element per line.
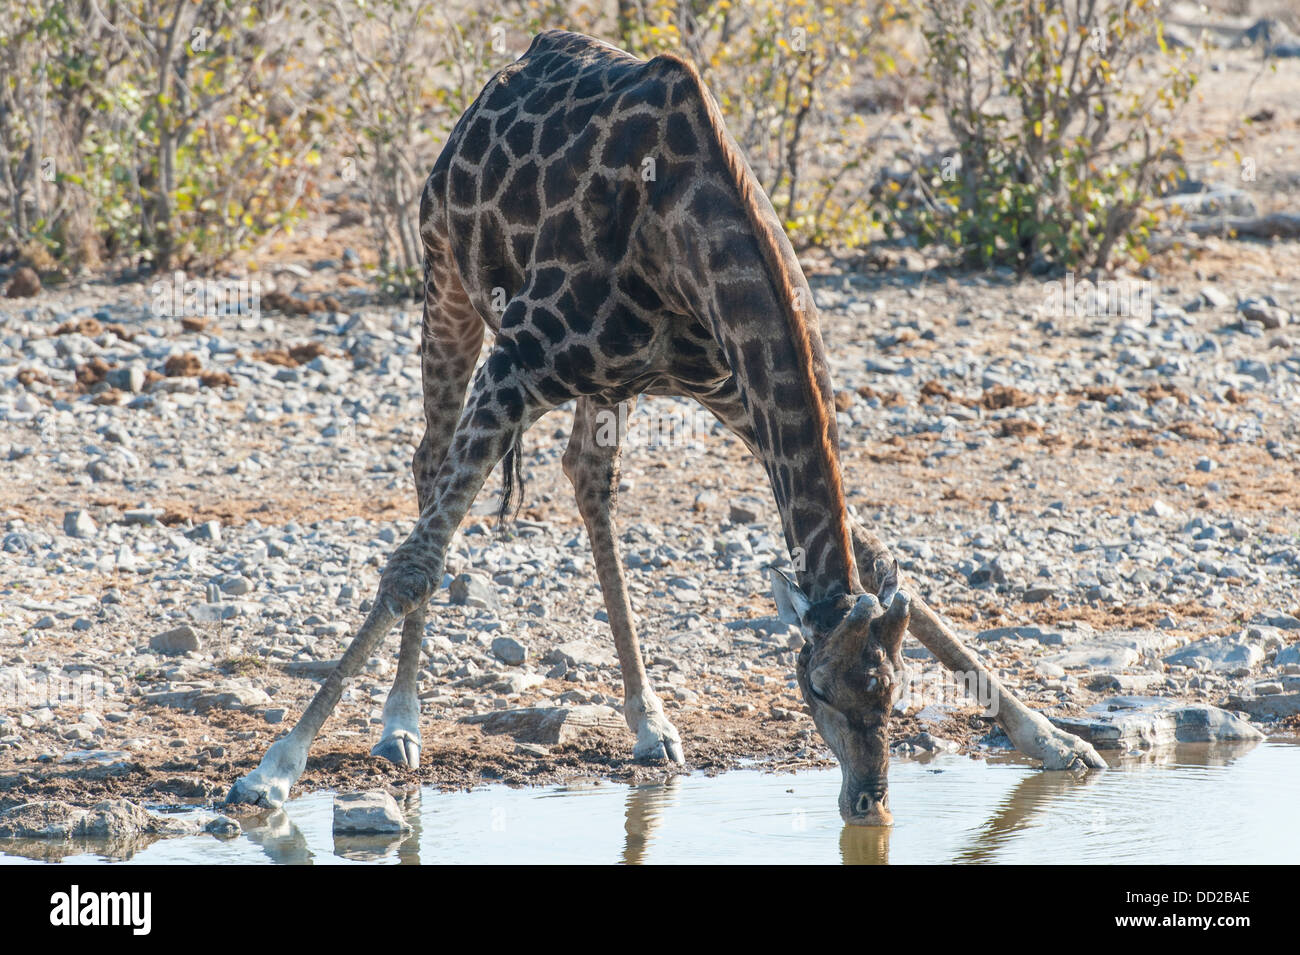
<point x="512" y="481"/>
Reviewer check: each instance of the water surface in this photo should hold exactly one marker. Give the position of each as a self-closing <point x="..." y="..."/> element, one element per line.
<point x="1191" y="804"/>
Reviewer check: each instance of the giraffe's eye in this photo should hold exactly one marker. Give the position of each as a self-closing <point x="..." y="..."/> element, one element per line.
<point x="816" y="692"/>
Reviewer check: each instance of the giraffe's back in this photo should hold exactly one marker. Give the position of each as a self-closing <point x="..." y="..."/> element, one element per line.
<point x="580" y="176"/>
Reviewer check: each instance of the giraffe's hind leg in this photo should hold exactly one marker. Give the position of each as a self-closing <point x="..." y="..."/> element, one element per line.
<point x="450" y="341"/>
<point x="591" y="463"/>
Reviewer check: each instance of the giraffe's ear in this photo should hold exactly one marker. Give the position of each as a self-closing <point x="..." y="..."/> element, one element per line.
<point x="791" y="602"/>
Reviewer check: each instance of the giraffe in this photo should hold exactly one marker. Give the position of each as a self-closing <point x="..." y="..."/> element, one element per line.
<point x="591" y="209"/>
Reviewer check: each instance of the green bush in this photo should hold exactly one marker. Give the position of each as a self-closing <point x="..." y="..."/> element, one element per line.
<point x="1062" y="112"/>
<point x="182" y="133"/>
<point x="781" y="71"/>
<point x="176" y="132"/>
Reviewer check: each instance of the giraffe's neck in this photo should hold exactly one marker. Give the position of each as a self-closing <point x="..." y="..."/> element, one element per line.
<point x="751" y="293"/>
<point x="796" y="440"/>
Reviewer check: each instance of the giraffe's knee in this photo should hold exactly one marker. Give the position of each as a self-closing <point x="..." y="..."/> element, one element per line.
<point x="404" y="588"/>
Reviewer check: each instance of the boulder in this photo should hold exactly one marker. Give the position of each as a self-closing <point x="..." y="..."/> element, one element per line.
<point x="368" y="813"/>
<point x="509" y="651"/>
<point x="1221" y="654"/>
<point x="471" y="590"/>
<point x="112" y="819"/>
<point x="1140" y="722"/>
<point x="183" y="639"/>
<point x="547" y="725"/>
<point x="1275" y="706"/>
<point x="577" y="653"/>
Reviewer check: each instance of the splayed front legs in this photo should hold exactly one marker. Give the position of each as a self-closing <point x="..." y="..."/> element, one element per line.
<point x="1029" y="731"/>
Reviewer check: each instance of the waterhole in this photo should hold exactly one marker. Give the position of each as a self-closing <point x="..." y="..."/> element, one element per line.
<point x="1190" y="804"/>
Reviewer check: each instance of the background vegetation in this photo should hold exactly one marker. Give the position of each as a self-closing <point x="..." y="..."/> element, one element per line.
<point x="175" y="133"/>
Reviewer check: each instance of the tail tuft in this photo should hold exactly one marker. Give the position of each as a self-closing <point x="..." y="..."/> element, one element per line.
<point x="512" y="482"/>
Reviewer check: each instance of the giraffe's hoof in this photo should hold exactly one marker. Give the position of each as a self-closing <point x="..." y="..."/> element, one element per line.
<point x="268" y="785"/>
<point x="658" y="741"/>
<point x="401" y="748"/>
<point x="244" y="793"/>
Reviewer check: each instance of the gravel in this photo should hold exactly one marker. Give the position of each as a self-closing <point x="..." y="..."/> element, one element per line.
<point x="1086" y="497"/>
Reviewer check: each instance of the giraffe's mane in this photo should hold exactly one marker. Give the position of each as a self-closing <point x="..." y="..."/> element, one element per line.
<point x="784" y="285"/>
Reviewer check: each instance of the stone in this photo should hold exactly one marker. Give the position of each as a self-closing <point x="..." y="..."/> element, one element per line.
<point x="176" y="699"/>
<point x="1045" y="637"/>
<point x="1201" y="723"/>
<point x="26" y="283"/>
<point x="1276" y="618"/>
<point x="369" y="813"/>
<point x="223" y="827"/>
<point x="183" y="639"/>
<point x="1049" y="671"/>
<point x="142" y="515"/>
<point x="1141" y="723"/>
<point x="705" y="501"/>
<point x="237" y="586"/>
<point x="1270" y="316"/>
<point x="1124" y="682"/>
<point x="213" y="612"/>
<point x="231" y="698"/>
<point x="741" y="511"/>
<point x="1275" y="706"/>
<point x="517" y="682"/>
<point x="103" y="757"/>
<point x="1159" y="508"/>
<point x="1290" y="654"/>
<point x="509" y="651"/>
<point x="577" y="653"/>
<point x="1214" y="297"/>
<point x="1219" y="654"/>
<point x="1098" y="658"/>
<point x="548" y="725"/>
<point x="79" y="524"/>
<point x="209" y="531"/>
<point x="130" y="378"/>
<point x="112" y="819"/>
<point x="471" y="590"/>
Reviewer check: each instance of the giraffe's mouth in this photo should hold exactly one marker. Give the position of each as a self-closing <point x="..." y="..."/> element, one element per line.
<point x="870" y="809"/>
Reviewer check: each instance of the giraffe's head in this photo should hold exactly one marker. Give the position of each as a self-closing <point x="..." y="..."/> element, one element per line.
<point x="850" y="671"/>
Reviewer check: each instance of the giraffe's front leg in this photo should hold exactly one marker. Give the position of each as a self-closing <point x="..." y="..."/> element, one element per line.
<point x="492" y="419"/>
<point x="268" y="785"/>
<point x="591" y="463"/>
<point x="400" y="742"/>
<point x="1029" y="731"/>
